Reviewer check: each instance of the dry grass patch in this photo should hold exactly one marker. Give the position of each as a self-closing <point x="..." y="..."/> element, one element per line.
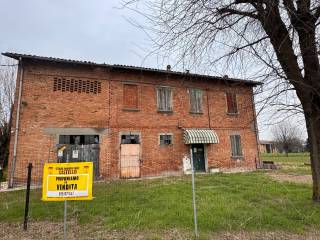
<point x="294" y="178"/>
<point x="54" y="230"/>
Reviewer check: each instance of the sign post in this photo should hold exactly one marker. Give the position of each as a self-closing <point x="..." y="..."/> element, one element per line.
<point x="194" y="197"/>
<point x="26" y="209"/>
<point x="65" y="220"/>
<point x="67" y="181"/>
<point x="65" y="212"/>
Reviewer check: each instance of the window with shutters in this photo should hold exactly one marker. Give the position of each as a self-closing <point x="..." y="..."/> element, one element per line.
<point x="232" y="103"/>
<point x="130" y="97"/>
<point x="165" y="139"/>
<point x="195" y="96"/>
<point x="236" y="146"/>
<point x="164" y="99"/>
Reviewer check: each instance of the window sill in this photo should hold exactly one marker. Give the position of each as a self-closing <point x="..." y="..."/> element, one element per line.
<point x="233" y="114"/>
<point x="165" y="145"/>
<point x="165" y="111"/>
<point x="196" y="113"/>
<point x="130" y="110"/>
<point x="237" y="157"/>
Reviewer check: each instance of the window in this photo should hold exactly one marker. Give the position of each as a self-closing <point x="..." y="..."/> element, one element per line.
<point x="164" y="99"/>
<point x="165" y="139"/>
<point x="232" y="103"/>
<point x="130" y="139"/>
<point x="78" y="139"/>
<point x="236" y="145"/>
<point x="130" y="96"/>
<point x="195" y="96"/>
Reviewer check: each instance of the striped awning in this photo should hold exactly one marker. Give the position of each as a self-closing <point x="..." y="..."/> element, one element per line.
<point x="194" y="136"/>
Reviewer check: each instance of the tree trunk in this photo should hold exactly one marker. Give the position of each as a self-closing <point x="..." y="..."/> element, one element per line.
<point x="312" y="115"/>
<point x="286" y="152"/>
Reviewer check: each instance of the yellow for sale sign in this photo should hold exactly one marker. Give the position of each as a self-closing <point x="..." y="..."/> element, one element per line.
<point x="67" y="181"/>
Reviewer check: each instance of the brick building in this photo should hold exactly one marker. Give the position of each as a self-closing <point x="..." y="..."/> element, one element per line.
<point x="130" y="121"/>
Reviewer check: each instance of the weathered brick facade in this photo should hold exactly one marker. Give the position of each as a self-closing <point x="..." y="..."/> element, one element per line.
<point x="43" y="110"/>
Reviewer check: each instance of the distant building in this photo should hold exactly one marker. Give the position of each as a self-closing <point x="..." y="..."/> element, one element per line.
<point x="267" y="146"/>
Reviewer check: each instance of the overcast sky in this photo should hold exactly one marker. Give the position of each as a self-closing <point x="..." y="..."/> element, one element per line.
<point x="94" y="30"/>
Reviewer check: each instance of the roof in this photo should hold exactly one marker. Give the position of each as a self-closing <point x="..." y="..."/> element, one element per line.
<point x="19" y="56"/>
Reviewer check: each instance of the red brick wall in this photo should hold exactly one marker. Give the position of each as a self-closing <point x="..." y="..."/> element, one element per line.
<point x="44" y="108"/>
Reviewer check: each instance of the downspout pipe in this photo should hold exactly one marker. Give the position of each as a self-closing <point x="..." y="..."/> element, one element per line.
<point x="258" y="161"/>
<point x="13" y="166"/>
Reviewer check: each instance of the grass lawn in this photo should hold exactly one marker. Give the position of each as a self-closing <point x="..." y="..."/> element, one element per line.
<point x="226" y="202"/>
<point x="294" y="163"/>
<point x="293" y="158"/>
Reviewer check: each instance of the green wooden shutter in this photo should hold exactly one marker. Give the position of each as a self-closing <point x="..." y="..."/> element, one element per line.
<point x="195" y="96"/>
<point x="199" y="100"/>
<point x="168" y="98"/>
<point x="164" y="99"/>
<point x="233" y="147"/>
<point x="236" y="148"/>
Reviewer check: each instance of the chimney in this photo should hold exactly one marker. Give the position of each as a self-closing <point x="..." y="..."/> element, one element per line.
<point x="168" y="68"/>
<point x="187" y="71"/>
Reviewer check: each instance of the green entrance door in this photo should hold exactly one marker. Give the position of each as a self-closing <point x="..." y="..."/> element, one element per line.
<point x="198" y="157"/>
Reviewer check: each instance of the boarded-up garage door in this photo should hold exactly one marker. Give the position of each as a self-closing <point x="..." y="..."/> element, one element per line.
<point x="130" y="160"/>
<point x="82" y="153"/>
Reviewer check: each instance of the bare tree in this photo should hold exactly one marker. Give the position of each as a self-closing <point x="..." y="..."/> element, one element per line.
<point x="7" y="89"/>
<point x="279" y="37"/>
<point x="287" y="137"/>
